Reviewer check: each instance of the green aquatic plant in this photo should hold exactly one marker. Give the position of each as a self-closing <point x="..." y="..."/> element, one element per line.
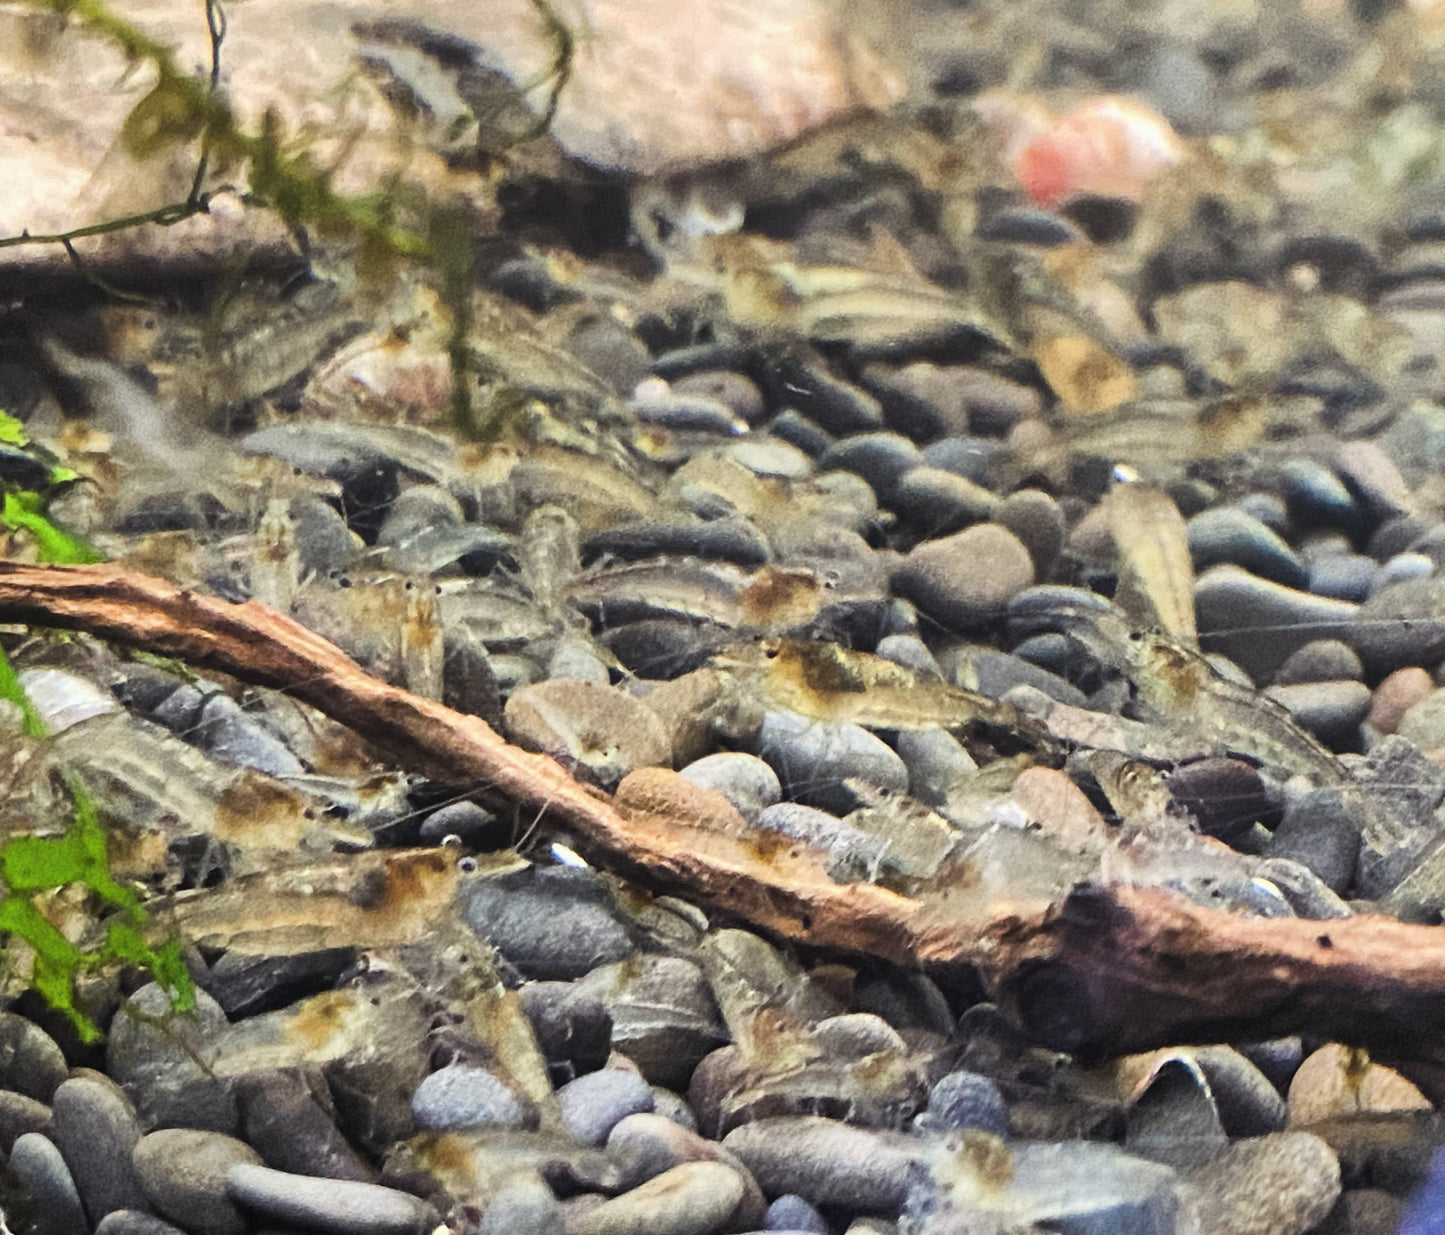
<point x="33" y="865"/>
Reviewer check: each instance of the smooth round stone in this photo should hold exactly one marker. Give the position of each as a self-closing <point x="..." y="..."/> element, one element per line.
<point x="978" y="459"/>
<point x="19" y="1115"/>
<point x="696" y="1198"/>
<point x="573" y="1027"/>
<point x="792" y="1213"/>
<point x="594" y="1104"/>
<point x="1225" y="796"/>
<point x="673" y="1107"/>
<point x="1365" y="466"/>
<point x="30" y="1061"/>
<point x="1282" y="1183"/>
<point x="283" y="1114"/>
<point x="1308" y="895"/>
<point x="765" y="456"/>
<point x="717" y="540"/>
<point x="911" y="652"/>
<point x="965" y="1100"/>
<point x="1320" y="660"/>
<point x="1332" y="711"/>
<point x="95" y="1128"/>
<point x="611" y="351"/>
<point x="1268" y="508"/>
<point x="744" y="780"/>
<point x="684" y="413"/>
<point x="921" y="400"/>
<point x="1036" y="519"/>
<point x="342" y="1206"/>
<point x="1403" y="624"/>
<point x="1259" y="624"/>
<point x="466" y="1097"/>
<point x="856" y="1035"/>
<point x="162" y="1061"/>
<point x="933" y="502"/>
<point x="523" y="1205"/>
<point x="799" y="431"/>
<point x="936" y="761"/>
<point x="882" y="459"/>
<point x="134" y="1222"/>
<point x="995" y="673"/>
<point x="549" y="922"/>
<point x="1343" y="576"/>
<point x="1401" y="567"/>
<point x="1320" y="831"/>
<point x="827" y="1162"/>
<point x="966" y="581"/>
<point x="812" y="760"/>
<point x="323" y="541"/>
<point x="600" y="732"/>
<point x="647" y="1145"/>
<point x="1055" y="652"/>
<point x="1396" y="695"/>
<point x="184" y="1174"/>
<point x="1316" y="496"/>
<point x="836" y="406"/>
<point x="1228" y="535"/>
<point x="47" y="1181"/>
<point x="737" y="390"/>
<point x="473" y="825"/>
<point x="1026" y="225"/>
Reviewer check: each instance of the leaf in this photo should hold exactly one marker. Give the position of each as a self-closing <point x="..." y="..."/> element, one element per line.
<point x="21" y="511"/>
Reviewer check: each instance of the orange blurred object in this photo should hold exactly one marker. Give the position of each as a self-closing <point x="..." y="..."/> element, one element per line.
<point x="1112" y="146"/>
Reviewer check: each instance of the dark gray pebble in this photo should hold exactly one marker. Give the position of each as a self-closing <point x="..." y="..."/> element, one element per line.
<point x="813" y="759"/>
<point x="367" y="476"/>
<point x="1232" y="536"/>
<point x="795" y="429"/>
<point x="748" y="782"/>
<point x="96" y="1129"/>
<point x="1401" y="567"/>
<point x="1036" y="519"/>
<point x="323" y="541"/>
<point x="1320" y="660"/>
<point x="46" y="1179"/>
<point x="163" y="1061"/>
<point x="1321" y="831"/>
<point x="854" y="855"/>
<point x="286" y="1114"/>
<point x="473" y="825"/>
<point x="827" y="1162"/>
<point x="573" y="1027"/>
<point x="184" y="1173"/>
<point x="18" y="1115"/>
<point x="911" y="652"/>
<point x="684" y="413"/>
<point x="791" y="1213"/>
<point x="1259" y="624"/>
<point x="979" y="459"/>
<point x="594" y="1104"/>
<point x="836" y="406"/>
<point x="1268" y="508"/>
<point x="932" y="502"/>
<point x="245" y="985"/>
<point x="724" y="540"/>
<point x="922" y="400"/>
<point x="995" y="673"/>
<point x="31" y="1063"/>
<point x="230" y="735"/>
<point x="462" y="1096"/>
<point x="331" y="1205"/>
<point x="936" y="761"/>
<point x="549" y="922"/>
<point x="1308" y="895"/>
<point x="965" y="1100"/>
<point x="1332" y="711"/>
<point x="1026" y="225"/>
<point x="1343" y="576"/>
<point x="1316" y="496"/>
<point x="418" y="508"/>
<point x="611" y="351"/>
<point x="882" y="459"/>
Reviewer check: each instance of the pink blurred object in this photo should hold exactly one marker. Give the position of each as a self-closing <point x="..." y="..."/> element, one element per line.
<point x="1107" y="145"/>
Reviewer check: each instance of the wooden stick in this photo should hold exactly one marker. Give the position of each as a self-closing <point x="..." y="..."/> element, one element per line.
<point x="1106" y="971"/>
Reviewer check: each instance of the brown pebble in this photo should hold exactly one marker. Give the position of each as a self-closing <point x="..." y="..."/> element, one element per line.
<point x="1395" y="696"/>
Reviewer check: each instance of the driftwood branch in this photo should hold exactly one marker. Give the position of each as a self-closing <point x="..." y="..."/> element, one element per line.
<point x="1109" y="970"/>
